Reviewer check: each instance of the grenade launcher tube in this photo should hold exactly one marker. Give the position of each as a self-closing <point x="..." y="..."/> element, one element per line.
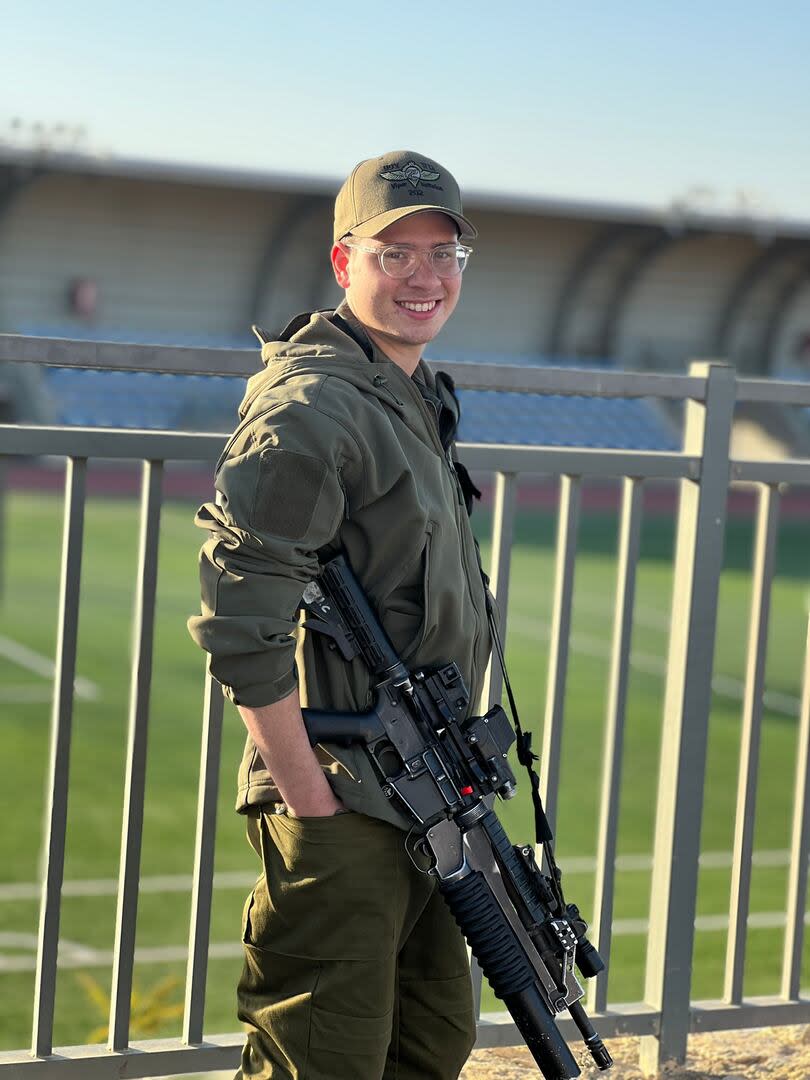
<point x="506" y="967"/>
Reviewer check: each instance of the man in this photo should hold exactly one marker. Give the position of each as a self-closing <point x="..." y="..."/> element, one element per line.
<point x="354" y="967"/>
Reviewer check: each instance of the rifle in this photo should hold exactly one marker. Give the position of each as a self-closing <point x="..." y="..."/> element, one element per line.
<point x="443" y="769"/>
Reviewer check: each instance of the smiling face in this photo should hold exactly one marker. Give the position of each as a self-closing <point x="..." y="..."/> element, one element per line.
<point x="401" y="315"/>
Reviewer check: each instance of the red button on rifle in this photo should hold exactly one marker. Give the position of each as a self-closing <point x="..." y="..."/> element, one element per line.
<point x="467" y="790"/>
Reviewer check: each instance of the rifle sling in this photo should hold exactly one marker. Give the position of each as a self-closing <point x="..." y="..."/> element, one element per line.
<point x="526" y="757"/>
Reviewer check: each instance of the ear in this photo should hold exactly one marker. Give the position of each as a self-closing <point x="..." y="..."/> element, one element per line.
<point x="340" y="265"/>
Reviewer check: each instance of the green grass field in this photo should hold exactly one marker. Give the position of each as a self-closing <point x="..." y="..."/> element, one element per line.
<point x="30" y="578"/>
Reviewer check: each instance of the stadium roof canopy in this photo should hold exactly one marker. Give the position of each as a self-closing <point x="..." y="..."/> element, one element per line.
<point x="674" y="217"/>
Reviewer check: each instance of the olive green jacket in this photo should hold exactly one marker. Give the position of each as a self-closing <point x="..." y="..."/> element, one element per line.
<point x="337" y="449"/>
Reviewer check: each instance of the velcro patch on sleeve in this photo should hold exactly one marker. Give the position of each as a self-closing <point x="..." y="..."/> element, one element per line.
<point x="287" y="491"/>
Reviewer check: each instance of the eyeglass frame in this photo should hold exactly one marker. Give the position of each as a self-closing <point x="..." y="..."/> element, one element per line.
<point x="380" y="251"/>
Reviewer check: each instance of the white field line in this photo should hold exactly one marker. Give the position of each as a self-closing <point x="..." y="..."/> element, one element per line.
<point x="709" y="860"/>
<point x="159" y="883"/>
<point x="25" y="694"/>
<point x="44" y="666"/>
<point x="651" y="664"/>
<point x="649" y="618"/>
<point x="75" y="955"/>
<point x="760" y="920"/>
<point x="240" y="879"/>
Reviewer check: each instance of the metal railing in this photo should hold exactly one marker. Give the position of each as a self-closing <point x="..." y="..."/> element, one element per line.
<point x="703" y="471"/>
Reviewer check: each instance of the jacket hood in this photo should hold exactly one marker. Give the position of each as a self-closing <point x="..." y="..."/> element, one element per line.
<point x="313" y="345"/>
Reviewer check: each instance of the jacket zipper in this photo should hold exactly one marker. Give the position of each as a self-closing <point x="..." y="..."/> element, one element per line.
<point x="434" y="435"/>
<point x="381" y="382"/>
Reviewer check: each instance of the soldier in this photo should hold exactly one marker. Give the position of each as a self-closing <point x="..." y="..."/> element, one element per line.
<point x="354" y="967"/>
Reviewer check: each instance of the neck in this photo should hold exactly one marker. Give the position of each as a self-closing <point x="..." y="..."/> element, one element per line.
<point x="403" y="355"/>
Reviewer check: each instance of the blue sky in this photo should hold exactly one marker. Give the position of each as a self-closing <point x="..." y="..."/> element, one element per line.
<point x="622" y="102"/>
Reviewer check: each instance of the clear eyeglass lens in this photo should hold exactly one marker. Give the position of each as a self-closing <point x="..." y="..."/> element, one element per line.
<point x="446" y="261"/>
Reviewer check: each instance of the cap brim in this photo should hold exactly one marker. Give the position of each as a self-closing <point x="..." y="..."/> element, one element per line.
<point x="376" y="224"/>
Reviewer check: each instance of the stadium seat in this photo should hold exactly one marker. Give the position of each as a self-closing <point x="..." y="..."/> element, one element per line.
<point x="209" y="403"/>
<point x="552" y="420"/>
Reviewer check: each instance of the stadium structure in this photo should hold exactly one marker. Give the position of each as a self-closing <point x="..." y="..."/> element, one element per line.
<point x="110" y="249"/>
<point x="628" y="632"/>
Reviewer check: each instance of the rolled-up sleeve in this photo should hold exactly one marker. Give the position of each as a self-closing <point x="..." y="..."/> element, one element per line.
<point x="279" y="500"/>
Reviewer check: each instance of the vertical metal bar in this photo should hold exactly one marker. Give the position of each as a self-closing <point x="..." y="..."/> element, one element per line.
<point x="799" y="847"/>
<point x="567" y="527"/>
<point x="687" y="703"/>
<point x="3" y="525"/>
<point x="203" y="885"/>
<point x="629" y="546"/>
<point x="56" y="792"/>
<point x="477" y="985"/>
<point x="503" y="529"/>
<point x="763" y="570"/>
<point x="132" y="830"/>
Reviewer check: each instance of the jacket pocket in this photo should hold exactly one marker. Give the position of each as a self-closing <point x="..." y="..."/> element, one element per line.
<point x="407" y="610"/>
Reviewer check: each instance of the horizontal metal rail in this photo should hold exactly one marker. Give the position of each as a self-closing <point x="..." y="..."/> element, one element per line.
<point x="521" y="378"/>
<point x="754" y="1012"/>
<point x="773" y="391"/>
<point x="149" y="1058"/>
<point x="771" y="472"/>
<point x="186" y="360"/>
<point x="30" y="440"/>
<point x="579" y="461"/>
<point x="34" y="440"/>
<point x="159" y="1057"/>
<point x="117" y="356"/>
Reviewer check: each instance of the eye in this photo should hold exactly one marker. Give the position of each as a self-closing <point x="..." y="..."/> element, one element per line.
<point x="397" y="254"/>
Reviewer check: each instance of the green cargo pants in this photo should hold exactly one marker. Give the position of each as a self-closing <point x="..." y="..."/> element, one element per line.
<point x="354" y="967"/>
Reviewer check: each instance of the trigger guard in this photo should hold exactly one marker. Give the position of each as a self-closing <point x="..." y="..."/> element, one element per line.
<point x="445" y="842"/>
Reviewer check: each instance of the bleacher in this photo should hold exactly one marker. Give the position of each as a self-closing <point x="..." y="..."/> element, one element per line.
<point x="143" y="400"/>
<point x="209" y="403"/>
<point x="497" y="416"/>
<point x="493" y="416"/>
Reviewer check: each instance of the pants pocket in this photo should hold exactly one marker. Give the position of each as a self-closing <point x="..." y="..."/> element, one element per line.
<point x="359" y="1037"/>
<point x="314" y="1021"/>
<point x="327" y="888"/>
<point x="274" y="998"/>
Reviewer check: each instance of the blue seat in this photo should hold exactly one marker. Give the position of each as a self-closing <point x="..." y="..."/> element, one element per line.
<point x="499" y="416"/>
<point x="555" y="420"/>
<point x="209" y="402"/>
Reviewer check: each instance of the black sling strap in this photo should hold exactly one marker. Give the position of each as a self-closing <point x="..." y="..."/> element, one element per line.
<point x="526" y="757"/>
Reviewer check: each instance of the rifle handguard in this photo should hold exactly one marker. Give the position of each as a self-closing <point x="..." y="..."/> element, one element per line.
<point x="510" y="974"/>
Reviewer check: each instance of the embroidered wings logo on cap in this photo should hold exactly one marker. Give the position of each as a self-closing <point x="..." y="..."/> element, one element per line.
<point x="412" y="172"/>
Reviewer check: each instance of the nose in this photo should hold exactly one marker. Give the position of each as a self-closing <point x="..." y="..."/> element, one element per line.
<point x="424" y="274"/>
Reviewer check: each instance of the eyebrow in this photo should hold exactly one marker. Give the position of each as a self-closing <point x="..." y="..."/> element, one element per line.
<point x="402" y="243"/>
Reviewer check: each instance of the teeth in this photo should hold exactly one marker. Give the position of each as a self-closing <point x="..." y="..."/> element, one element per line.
<point x="428" y="305"/>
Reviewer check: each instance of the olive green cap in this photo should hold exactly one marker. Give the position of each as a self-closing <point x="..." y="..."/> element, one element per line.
<point x="382" y="190"/>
